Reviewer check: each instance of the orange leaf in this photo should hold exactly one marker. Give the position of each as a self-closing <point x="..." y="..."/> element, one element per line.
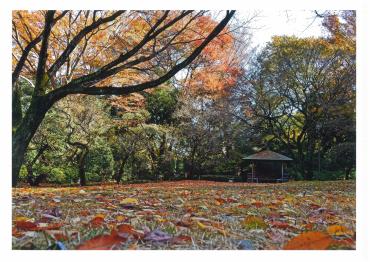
<point x="16" y="233"/>
<point x="258" y="204"/>
<point x="49" y="227"/>
<point x="336" y="230"/>
<point x="84" y="213"/>
<point x="102" y="242"/>
<point x="125" y="229"/>
<point x="96" y="221"/>
<point x="309" y="241"/>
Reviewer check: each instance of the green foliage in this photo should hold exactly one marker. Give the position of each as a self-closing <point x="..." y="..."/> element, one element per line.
<point x="161" y="104"/>
<point x="57" y="176"/>
<point x="23" y="173"/>
<point x="100" y="163"/>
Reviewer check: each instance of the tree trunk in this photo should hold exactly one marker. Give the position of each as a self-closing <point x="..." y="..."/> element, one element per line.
<point x="119" y="174"/>
<point x="348" y="172"/>
<point x="81" y="168"/>
<point x="24" y="133"/>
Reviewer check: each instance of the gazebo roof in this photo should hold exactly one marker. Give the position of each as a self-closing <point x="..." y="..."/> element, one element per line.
<point x="268" y="155"/>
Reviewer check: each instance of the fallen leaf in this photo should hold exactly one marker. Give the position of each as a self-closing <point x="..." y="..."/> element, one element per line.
<point x="279" y="224"/>
<point x="129" y="201"/>
<point x="254" y="222"/>
<point x="309" y="241"/>
<point x="16" y="233"/>
<point x="337" y="230"/>
<point x="157" y="236"/>
<point x="120" y="218"/>
<point x="201" y="225"/>
<point x="46" y="226"/>
<point x="84" y="213"/>
<point x="25" y="225"/>
<point x="19" y="219"/>
<point x="125" y="230"/>
<point x="257" y="204"/>
<point x="96" y="221"/>
<point x="180" y="239"/>
<point x="102" y="242"/>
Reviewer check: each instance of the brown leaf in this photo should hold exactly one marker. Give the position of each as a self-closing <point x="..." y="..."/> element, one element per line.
<point x="279" y="224"/>
<point x="309" y="241"/>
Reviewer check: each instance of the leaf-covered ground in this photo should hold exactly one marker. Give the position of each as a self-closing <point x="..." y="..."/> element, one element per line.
<point x="187" y="215"/>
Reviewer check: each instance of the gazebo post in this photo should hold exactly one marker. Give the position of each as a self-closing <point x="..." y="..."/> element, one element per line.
<point x="282" y="171"/>
<point x="252" y="172"/>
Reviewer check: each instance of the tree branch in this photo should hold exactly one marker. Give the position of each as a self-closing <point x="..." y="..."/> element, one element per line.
<point x="28" y="48"/>
<point x="43" y="53"/>
<point x="74" y="42"/>
<point x="73" y="88"/>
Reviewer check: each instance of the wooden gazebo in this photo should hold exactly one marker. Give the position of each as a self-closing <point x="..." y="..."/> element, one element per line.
<point x="267" y="166"/>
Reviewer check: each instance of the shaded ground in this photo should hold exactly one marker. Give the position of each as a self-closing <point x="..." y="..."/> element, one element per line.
<point x="187" y="215"/>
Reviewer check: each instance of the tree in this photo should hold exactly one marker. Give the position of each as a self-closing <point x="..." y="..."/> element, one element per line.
<point x="73" y="55"/>
<point x="86" y="123"/>
<point x="301" y="94"/>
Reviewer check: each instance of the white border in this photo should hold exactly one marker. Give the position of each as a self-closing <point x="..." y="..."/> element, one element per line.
<point x="363" y="131"/>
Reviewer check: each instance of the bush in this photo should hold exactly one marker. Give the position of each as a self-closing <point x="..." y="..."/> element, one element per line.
<point x="71" y="174"/>
<point x="57" y="176"/>
<point x="218" y="178"/>
<point x="332" y="175"/>
<point x="99" y="164"/>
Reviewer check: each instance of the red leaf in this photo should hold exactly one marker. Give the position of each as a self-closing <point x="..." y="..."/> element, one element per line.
<point x="60" y="237"/>
<point x="181" y="239"/>
<point x="25" y="225"/>
<point x="280" y="224"/>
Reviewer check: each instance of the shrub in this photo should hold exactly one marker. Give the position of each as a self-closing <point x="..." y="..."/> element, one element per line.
<point x="57" y="176"/>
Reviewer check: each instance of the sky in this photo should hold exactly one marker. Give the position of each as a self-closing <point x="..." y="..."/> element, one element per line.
<point x="301" y="23"/>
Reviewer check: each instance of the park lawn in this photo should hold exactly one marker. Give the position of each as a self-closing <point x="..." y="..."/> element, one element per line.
<point x="186" y="215"/>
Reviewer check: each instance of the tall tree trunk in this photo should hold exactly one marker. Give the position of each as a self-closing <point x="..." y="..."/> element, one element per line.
<point x="24" y="133"/>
